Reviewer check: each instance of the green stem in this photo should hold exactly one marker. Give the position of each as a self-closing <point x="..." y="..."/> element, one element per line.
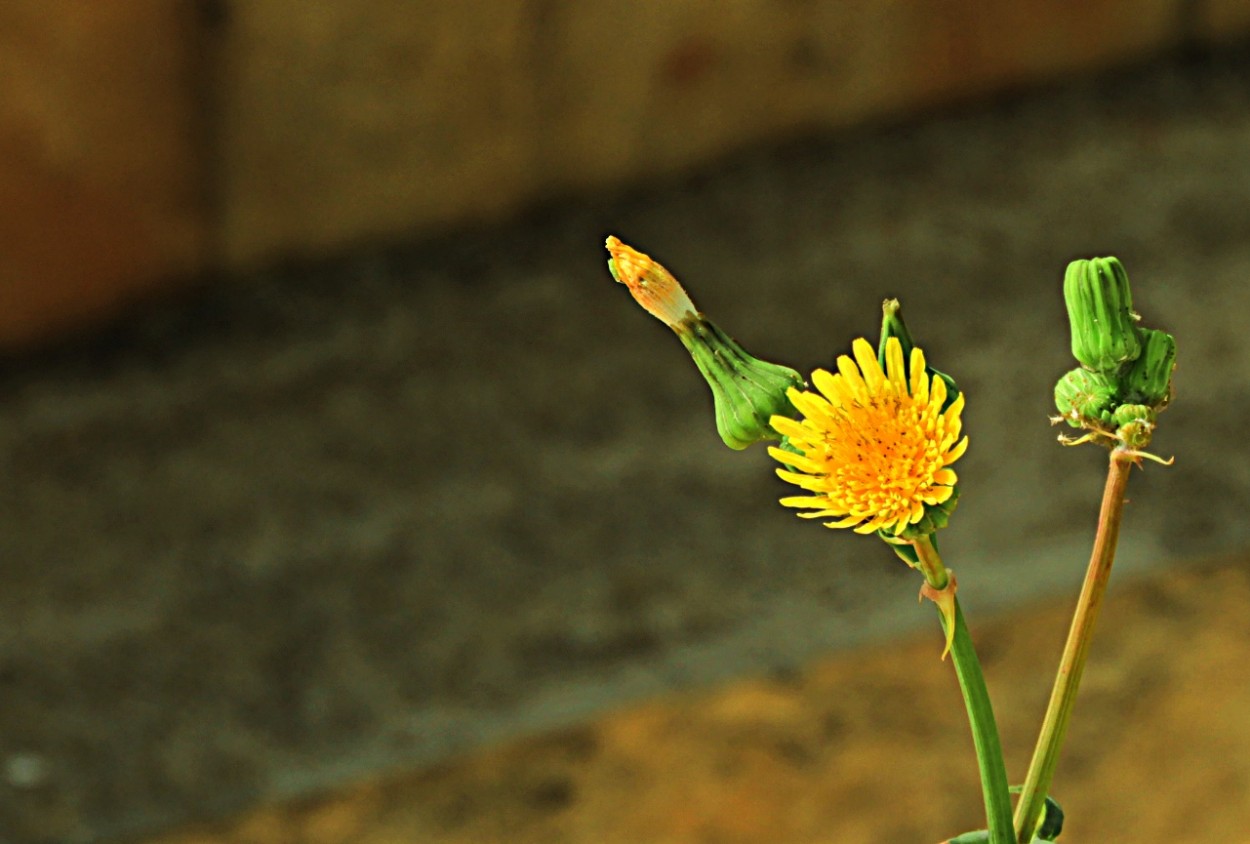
<point x="1072" y="663"/>
<point x="977" y="701"/>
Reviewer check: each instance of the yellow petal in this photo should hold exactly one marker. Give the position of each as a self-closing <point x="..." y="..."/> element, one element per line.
<point x="797" y="461"/>
<point x="956" y="452"/>
<point x="919" y="378"/>
<point x="787" y="427"/>
<point x="894" y="368"/>
<point x="874" y="377"/>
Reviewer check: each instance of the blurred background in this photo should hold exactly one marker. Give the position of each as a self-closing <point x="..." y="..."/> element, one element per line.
<point x="346" y="498"/>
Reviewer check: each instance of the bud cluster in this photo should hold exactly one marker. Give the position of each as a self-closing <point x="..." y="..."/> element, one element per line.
<point x="1125" y="377"/>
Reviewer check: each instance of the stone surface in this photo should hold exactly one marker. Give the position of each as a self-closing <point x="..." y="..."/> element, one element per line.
<point x="370" y="513"/>
<point x="100" y="160"/>
<point x="869" y="747"/>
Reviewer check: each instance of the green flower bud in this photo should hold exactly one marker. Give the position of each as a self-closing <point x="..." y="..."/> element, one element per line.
<point x="1126" y="414"/>
<point x="1082" y="396"/>
<point x="1149" y="381"/>
<point x="747" y="391"/>
<point x="1100" y="311"/>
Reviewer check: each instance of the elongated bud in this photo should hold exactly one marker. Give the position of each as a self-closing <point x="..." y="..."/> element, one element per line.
<point x="1100" y="311"/>
<point x="747" y="392"/>
<point x="1082" y="396"/>
<point x="1149" y="381"/>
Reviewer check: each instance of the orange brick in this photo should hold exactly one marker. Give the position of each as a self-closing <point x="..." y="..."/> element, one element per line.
<point x="100" y="165"/>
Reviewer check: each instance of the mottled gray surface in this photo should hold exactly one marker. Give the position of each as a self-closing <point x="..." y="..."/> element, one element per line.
<point x="328" y="521"/>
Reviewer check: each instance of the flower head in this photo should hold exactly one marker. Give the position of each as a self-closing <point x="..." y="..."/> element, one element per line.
<point x="874" y="446"/>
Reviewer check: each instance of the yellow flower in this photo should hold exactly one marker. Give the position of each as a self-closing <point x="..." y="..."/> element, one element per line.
<point x="875" y="446"/>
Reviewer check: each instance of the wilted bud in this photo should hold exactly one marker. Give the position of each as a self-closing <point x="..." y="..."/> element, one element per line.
<point x="747" y="392"/>
<point x="1149" y="381"/>
<point x="1100" y="310"/>
<point x="1083" y="396"/>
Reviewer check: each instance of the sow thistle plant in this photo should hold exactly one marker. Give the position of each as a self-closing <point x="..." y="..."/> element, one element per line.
<point x="873" y="445"/>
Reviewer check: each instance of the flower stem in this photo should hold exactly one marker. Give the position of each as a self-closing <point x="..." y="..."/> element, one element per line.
<point x="1072" y="664"/>
<point x="980" y="712"/>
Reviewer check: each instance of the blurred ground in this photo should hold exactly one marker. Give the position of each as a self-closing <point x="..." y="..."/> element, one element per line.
<point x="366" y="515"/>
<point x="867" y="748"/>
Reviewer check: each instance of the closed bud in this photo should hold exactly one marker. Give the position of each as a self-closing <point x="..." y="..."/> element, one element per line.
<point x="1149" y="381"/>
<point x="1134" y="425"/>
<point x="1100" y="311"/>
<point x="1127" y="414"/>
<point x="1082" y="396"/>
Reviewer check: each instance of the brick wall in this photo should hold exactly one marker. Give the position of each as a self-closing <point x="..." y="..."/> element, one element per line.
<point x="100" y="165"/>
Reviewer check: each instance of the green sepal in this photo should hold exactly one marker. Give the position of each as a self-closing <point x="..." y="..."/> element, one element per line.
<point x="952" y="389"/>
<point x="786" y="445"/>
<point x="1052" y="821"/>
<point x="980" y="836"/>
<point x="1050" y="824"/>
<point x="1100" y="313"/>
<point x="903" y="548"/>
<point x="747" y="392"/>
<point x="936" y="517"/>
<point x="892" y="325"/>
